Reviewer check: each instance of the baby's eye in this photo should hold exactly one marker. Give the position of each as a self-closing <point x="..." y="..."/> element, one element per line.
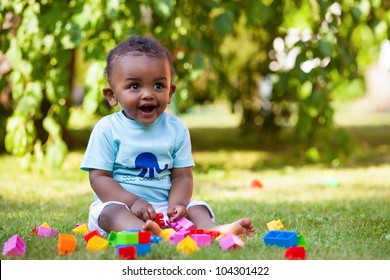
<point x="134" y="86"/>
<point x="159" y="85"/>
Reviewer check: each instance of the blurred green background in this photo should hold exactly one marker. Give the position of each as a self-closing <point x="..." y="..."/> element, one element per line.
<point x="282" y="66"/>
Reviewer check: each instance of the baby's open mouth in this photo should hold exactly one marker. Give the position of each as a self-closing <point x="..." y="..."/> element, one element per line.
<point x="147" y="108"/>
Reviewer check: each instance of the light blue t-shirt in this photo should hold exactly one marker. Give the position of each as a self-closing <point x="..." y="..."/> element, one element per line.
<point x="140" y="157"/>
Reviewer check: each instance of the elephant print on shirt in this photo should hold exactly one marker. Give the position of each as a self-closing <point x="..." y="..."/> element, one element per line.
<point x="148" y="163"/>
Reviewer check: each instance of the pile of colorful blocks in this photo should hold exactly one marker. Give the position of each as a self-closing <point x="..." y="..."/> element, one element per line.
<point x="277" y="236"/>
<point x="132" y="243"/>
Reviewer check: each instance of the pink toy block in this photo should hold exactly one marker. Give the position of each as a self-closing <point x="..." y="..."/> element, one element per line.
<point x="46" y="231"/>
<point x="230" y="241"/>
<point x="14" y="246"/>
<point x="182" y="224"/>
<point x="178" y="236"/>
<point x="201" y="239"/>
<point x="88" y="236"/>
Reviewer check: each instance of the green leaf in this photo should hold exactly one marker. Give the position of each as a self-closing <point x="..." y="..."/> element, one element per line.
<point x="56" y="153"/>
<point x="163" y="8"/>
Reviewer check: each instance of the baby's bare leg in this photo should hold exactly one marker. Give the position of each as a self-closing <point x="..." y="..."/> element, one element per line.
<point x="117" y="218"/>
<point x="200" y="216"/>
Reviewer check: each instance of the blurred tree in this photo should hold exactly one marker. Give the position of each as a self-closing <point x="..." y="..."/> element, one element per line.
<point x="280" y="61"/>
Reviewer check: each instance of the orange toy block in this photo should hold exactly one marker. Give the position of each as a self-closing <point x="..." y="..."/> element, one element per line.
<point x="66" y="244"/>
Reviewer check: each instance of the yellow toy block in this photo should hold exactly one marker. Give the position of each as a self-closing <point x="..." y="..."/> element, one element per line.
<point x="45" y="225"/>
<point x="275" y="225"/>
<point x="166" y="233"/>
<point x="97" y="243"/>
<point x="187" y="246"/>
<point x="81" y="230"/>
<point x="66" y="244"/>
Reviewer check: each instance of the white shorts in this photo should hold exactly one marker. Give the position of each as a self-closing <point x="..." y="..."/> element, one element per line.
<point x="161" y="207"/>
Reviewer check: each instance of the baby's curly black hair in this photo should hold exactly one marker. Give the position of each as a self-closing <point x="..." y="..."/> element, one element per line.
<point x="139" y="45"/>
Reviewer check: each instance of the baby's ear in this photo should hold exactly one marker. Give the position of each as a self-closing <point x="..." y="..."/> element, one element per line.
<point x="110" y="96"/>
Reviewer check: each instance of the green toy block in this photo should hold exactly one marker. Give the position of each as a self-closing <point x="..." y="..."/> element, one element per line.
<point x="302" y="241"/>
<point x="127" y="238"/>
<point x="112" y="239"/>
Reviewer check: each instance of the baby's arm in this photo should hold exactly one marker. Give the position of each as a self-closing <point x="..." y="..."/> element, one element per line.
<point x="181" y="192"/>
<point x="107" y="189"/>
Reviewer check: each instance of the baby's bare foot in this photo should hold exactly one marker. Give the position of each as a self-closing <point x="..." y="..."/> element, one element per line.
<point x="243" y="227"/>
<point x="151" y="227"/>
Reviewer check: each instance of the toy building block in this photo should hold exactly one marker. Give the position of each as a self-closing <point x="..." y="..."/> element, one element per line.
<point x="230" y="241"/>
<point x="93" y="233"/>
<point x="127" y="252"/>
<point x="302" y="241"/>
<point x="14" y="246"/>
<point x="178" y="236"/>
<point x="97" y="243"/>
<point x="143" y="249"/>
<point x="127" y="238"/>
<point x="46" y="231"/>
<point x="45" y="225"/>
<point x="213" y="233"/>
<point x="295" y="253"/>
<point x="144" y="237"/>
<point x="165" y="233"/>
<point x="256" y="184"/>
<point x="275" y="225"/>
<point x="160" y="220"/>
<point x="81" y="230"/>
<point x="66" y="244"/>
<point x="155" y="238"/>
<point x="182" y="224"/>
<point x="197" y="231"/>
<point x="187" y="246"/>
<point x="201" y="239"/>
<point x="281" y="238"/>
<point x="112" y="239"/>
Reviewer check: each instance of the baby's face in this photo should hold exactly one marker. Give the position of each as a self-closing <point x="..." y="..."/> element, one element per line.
<point x="142" y="86"/>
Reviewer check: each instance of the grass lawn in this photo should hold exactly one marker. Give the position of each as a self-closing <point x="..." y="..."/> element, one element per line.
<point x="343" y="211"/>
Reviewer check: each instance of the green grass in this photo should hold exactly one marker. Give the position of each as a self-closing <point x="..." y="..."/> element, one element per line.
<point x="343" y="212"/>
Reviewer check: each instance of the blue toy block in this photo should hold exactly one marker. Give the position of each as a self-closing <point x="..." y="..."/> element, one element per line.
<point x="281" y="238"/>
<point x="155" y="238"/>
<point x="143" y="249"/>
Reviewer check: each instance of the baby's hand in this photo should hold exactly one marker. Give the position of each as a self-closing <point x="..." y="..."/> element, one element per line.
<point x="175" y="212"/>
<point x="143" y="210"/>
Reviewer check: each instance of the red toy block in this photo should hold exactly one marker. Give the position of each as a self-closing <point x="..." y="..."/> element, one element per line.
<point x="88" y="236"/>
<point x="196" y="231"/>
<point x="128" y="253"/>
<point x="295" y="253"/>
<point x="256" y="184"/>
<point x="160" y="220"/>
<point x="214" y="233"/>
<point x="144" y="237"/>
